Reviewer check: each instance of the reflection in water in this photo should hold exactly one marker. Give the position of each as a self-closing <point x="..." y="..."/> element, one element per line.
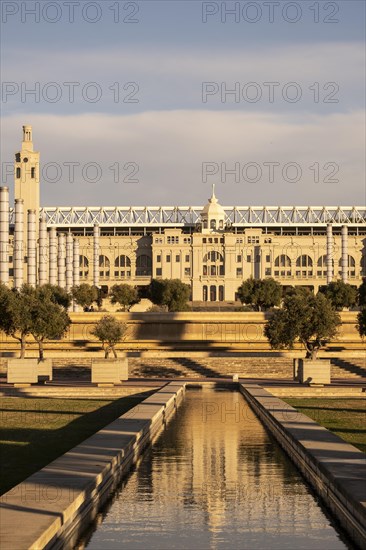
<point x="215" y="479"/>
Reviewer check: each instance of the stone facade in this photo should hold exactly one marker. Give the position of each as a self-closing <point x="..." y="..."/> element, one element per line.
<point x="213" y="255"/>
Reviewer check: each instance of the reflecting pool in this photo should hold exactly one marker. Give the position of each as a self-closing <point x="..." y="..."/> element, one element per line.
<point x="215" y="479"/>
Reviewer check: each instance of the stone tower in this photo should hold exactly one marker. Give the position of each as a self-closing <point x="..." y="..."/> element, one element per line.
<point x="26" y="173"/>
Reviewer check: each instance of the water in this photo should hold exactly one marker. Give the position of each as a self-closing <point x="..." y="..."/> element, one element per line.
<point x="215" y="480"/>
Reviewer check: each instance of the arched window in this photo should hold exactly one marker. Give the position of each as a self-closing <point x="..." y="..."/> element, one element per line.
<point x="33" y="173"/>
<point x="221" y="293"/>
<point x="122" y="267"/>
<point x="213" y="264"/>
<point x="212" y="293"/>
<point x="143" y="265"/>
<point x="213" y="224"/>
<point x="84" y="267"/>
<point x="283" y="265"/>
<point x="322" y="266"/>
<point x="204" y="294"/>
<point x="363" y="265"/>
<point x="18" y="173"/>
<point x="304" y="266"/>
<point x="351" y="266"/>
<point x="104" y="266"/>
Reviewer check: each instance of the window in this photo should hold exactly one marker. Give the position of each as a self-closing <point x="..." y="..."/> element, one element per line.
<point x="322" y="266"/>
<point x="238" y="258"/>
<point x="158" y="258"/>
<point x="204" y="294"/>
<point x="212" y="293"/>
<point x="84" y="267"/>
<point x="33" y="173"/>
<point x="213" y="224"/>
<point x="221" y="293"/>
<point x="187" y="258"/>
<point x="284" y="262"/>
<point x="143" y="266"/>
<point x="158" y="272"/>
<point x="239" y="272"/>
<point x="253" y="239"/>
<point x="350" y="267"/>
<point x="204" y="241"/>
<point x="268" y="258"/>
<point x="177" y="258"/>
<point x="240" y="241"/>
<point x="249" y="259"/>
<point x="18" y="173"/>
<point x="187" y="271"/>
<point x="216" y="241"/>
<point x="104" y="266"/>
<point x="268" y="272"/>
<point x="213" y="264"/>
<point x="168" y="258"/>
<point x="122" y="267"/>
<point x="306" y="262"/>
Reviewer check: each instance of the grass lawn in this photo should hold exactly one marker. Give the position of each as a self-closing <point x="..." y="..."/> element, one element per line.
<point x="35" y="431"/>
<point x="345" y="417"/>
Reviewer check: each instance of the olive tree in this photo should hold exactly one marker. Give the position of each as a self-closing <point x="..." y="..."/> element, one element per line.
<point x="340" y="294"/>
<point x="123" y="294"/>
<point x="171" y="293"/>
<point x="31" y="311"/>
<point x="109" y="331"/>
<point x="305" y="318"/>
<point x="260" y="293"/>
<point x="84" y="294"/>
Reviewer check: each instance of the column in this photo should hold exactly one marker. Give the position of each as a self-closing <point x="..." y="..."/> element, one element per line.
<point x="31" y="248"/>
<point x="61" y="264"/>
<point x="43" y="251"/>
<point x="4" y="235"/>
<point x="69" y="261"/>
<point x="329" y="253"/>
<point x="344" y="260"/>
<point x="96" y="255"/>
<point x="76" y="268"/>
<point x="18" y="253"/>
<point x="53" y="256"/>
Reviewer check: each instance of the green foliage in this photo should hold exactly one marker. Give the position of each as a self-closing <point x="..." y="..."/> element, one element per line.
<point x="84" y="294"/>
<point x="109" y="331"/>
<point x="16" y="313"/>
<point x="260" y="293"/>
<point x="340" y="294"/>
<point x="306" y="318"/>
<point x="49" y="320"/>
<point x="56" y="294"/>
<point x="31" y="311"/>
<point x="123" y="294"/>
<point x="362" y="293"/>
<point x="171" y="293"/>
<point x="361" y="322"/>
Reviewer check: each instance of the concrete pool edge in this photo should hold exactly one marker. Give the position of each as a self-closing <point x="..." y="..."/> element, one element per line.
<point x="54" y="506"/>
<point x="334" y="468"/>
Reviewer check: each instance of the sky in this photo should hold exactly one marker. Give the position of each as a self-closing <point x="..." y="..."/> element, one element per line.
<point x="152" y="102"/>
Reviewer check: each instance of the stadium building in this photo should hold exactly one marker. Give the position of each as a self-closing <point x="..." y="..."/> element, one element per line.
<point x="211" y="248"/>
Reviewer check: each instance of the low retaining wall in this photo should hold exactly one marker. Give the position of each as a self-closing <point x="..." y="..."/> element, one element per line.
<point x="53" y="507"/>
<point x="334" y="468"/>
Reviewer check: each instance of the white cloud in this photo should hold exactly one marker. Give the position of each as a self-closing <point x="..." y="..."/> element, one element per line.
<point x="170" y="147"/>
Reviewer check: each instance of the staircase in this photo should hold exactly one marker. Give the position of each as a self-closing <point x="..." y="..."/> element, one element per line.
<point x="354" y="369"/>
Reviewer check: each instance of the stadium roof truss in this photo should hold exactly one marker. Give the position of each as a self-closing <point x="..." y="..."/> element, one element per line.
<point x="181" y="216"/>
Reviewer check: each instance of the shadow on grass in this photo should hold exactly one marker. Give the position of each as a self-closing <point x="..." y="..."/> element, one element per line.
<point x="24" y="451"/>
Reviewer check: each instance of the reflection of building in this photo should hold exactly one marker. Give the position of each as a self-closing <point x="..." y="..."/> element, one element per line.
<point x="212" y="249"/>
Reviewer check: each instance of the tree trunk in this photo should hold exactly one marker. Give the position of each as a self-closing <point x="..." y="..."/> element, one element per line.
<point x="22" y="348"/>
<point x="40" y="349"/>
<point x="114" y="352"/>
<point x="106" y="352"/>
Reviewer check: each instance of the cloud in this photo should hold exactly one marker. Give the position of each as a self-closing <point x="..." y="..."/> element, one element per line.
<point x="170" y="148"/>
<point x="172" y="79"/>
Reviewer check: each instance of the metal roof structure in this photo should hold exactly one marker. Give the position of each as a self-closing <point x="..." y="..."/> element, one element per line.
<point x="189" y="216"/>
